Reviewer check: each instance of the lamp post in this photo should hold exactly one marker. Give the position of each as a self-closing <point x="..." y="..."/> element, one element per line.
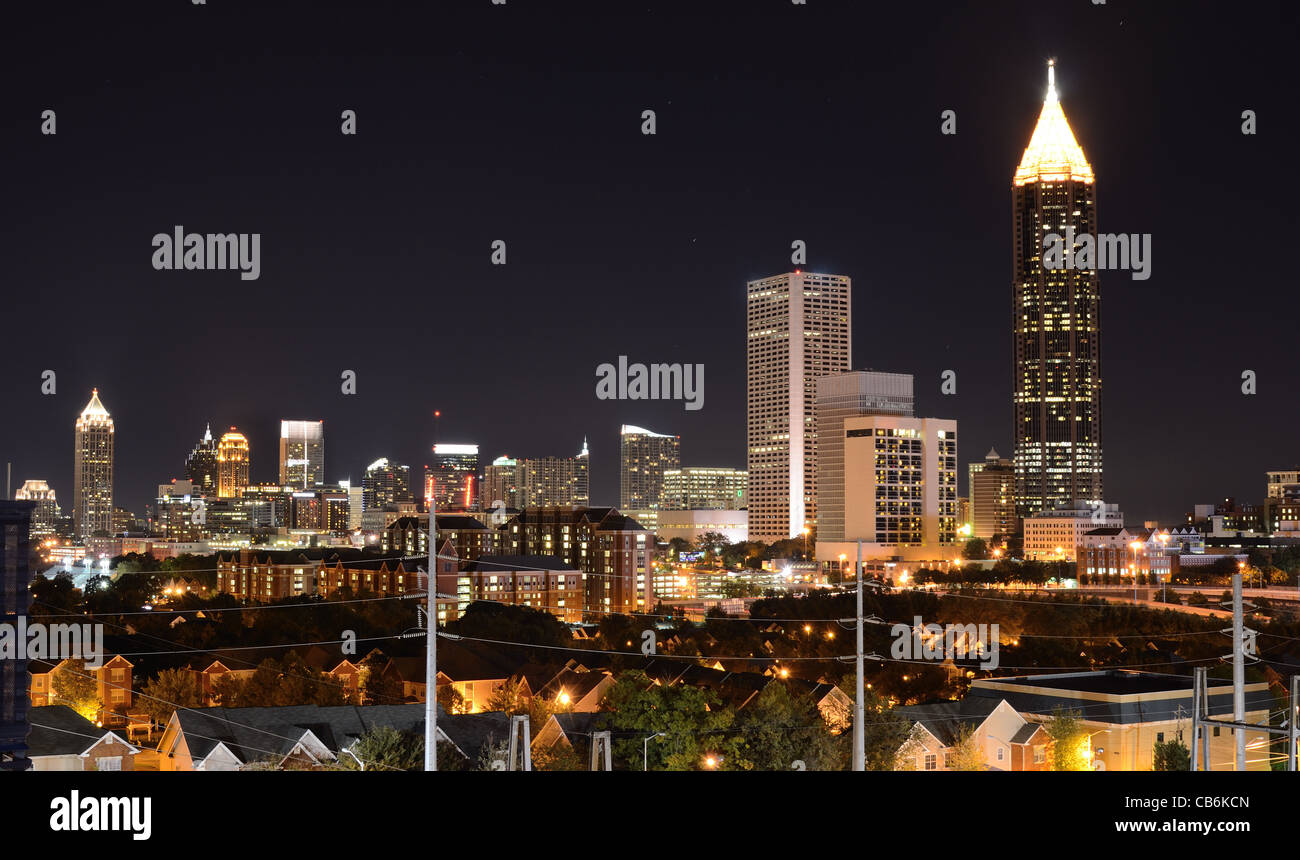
<point x="645" y="750"/>
<point x="1134" y="546"/>
<point x="805" y="541"/>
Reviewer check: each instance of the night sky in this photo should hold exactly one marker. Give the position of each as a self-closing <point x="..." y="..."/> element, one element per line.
<point x="522" y="122"/>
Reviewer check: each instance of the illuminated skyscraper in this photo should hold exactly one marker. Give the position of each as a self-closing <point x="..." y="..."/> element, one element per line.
<point x="201" y="464"/>
<point x="559" y="481"/>
<point x="503" y="481"/>
<point x="1056" y="388"/>
<point x="643" y="458"/>
<point x="233" y="460"/>
<point x="385" y="484"/>
<point x="92" y="494"/>
<point x="45" y="513"/>
<point x="798" y="330"/>
<point x="992" y="490"/>
<point x="453" y="477"/>
<point x="302" y="454"/>
<point x="849" y="395"/>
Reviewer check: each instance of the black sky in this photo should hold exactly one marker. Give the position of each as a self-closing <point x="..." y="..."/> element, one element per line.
<point x="522" y="122"/>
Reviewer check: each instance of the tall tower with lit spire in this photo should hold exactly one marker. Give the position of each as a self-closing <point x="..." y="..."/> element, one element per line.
<point x="201" y="464"/>
<point x="92" y="494"/>
<point x="1056" y="319"/>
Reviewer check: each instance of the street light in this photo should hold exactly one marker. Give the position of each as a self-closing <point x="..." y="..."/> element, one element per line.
<point x="805" y="541"/>
<point x="354" y="758"/>
<point x="645" y="750"/>
<point x="711" y="761"/>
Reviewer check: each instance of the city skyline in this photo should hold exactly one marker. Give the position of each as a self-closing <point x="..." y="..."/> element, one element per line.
<point x="872" y="224"/>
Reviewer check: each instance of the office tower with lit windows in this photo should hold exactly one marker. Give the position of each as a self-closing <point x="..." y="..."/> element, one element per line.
<point x="46" y="511"/>
<point x="705" y="488"/>
<point x="302" y="454"/>
<point x="201" y="465"/>
<point x="503" y="481"/>
<point x="992" y="493"/>
<point x="15" y="602"/>
<point x="1056" y="388"/>
<point x="234" y="458"/>
<point x="550" y="481"/>
<point x="643" y="457"/>
<point x="849" y="395"/>
<point x="385" y="484"/>
<point x="452" y="477"/>
<point x="797" y="330"/>
<point x="92" y="493"/>
<point x="900" y="489"/>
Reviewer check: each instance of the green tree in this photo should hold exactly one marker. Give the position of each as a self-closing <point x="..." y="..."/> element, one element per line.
<point x="76" y="687"/>
<point x="1069" y="741"/>
<point x="689" y="717"/>
<point x="677" y="546"/>
<point x="712" y="543"/>
<point x="975" y="549"/>
<point x="1172" y="755"/>
<point x="778" y="729"/>
<point x="168" y="690"/>
<point x="378" y="688"/>
<point x="509" y="697"/>
<point x="386" y="748"/>
<point x="966" y="753"/>
<point x="451" y="700"/>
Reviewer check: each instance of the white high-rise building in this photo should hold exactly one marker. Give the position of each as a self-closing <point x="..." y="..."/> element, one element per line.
<point x="302" y="454"/>
<point x="798" y="330"/>
<point x="46" y="514"/>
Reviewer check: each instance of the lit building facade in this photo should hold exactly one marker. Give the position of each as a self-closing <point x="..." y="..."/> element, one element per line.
<point x="644" y="456"/>
<point x="849" y="395"/>
<point x="302" y="454"/>
<point x="234" y="458"/>
<point x="705" y="488"/>
<point x="45" y="511"/>
<point x="385" y="484"/>
<point x="1056" y="322"/>
<point x="690" y="524"/>
<point x="92" y="494"/>
<point x="15" y="602"/>
<point x="1056" y="535"/>
<point x="551" y="481"/>
<point x="452" y="478"/>
<point x="201" y="464"/>
<point x="611" y="549"/>
<point x="900" y="489"/>
<point x="992" y="489"/>
<point x="798" y="329"/>
<point x="503" y="481"/>
<point x="1283" y="484"/>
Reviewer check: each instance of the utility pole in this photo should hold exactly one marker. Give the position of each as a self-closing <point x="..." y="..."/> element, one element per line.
<point x="859" y="708"/>
<point x="431" y="651"/>
<point x="1238" y="671"/>
<point x="1293" y="724"/>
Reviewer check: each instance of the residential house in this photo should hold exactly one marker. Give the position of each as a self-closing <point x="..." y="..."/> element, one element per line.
<point x="62" y="739"/>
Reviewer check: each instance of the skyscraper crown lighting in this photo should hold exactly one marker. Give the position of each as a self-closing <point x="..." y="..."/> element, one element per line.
<point x="1053" y="154"/>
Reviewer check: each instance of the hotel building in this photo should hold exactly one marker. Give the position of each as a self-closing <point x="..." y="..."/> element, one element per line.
<point x="900" y="489"/>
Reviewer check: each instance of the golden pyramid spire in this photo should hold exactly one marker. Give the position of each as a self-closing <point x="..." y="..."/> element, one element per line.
<point x="1053" y="155"/>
